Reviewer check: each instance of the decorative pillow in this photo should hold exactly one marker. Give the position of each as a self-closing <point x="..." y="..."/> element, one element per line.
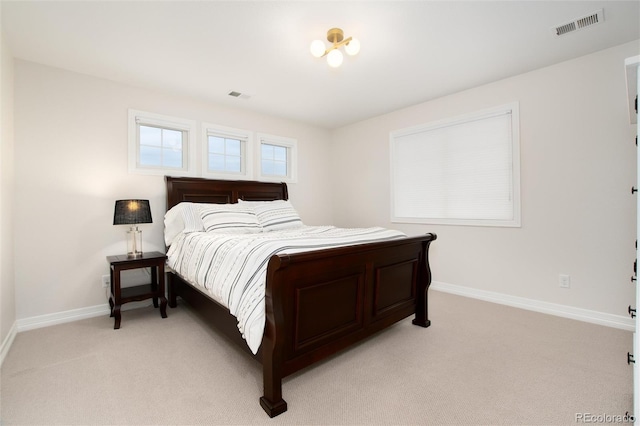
<point x="275" y="215"/>
<point x="229" y="219"/>
<point x="191" y="217"/>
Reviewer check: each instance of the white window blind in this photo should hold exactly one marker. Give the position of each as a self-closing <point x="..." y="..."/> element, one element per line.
<point x="461" y="171"/>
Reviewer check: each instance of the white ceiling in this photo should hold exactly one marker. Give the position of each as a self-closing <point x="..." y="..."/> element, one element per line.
<point x="412" y="51"/>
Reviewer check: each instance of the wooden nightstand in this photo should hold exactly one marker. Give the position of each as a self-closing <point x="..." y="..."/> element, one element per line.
<point x="119" y="296"/>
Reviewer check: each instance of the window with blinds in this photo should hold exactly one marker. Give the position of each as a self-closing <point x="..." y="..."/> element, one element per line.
<point x="160" y="144"/>
<point x="226" y="152"/>
<point x="462" y="171"/>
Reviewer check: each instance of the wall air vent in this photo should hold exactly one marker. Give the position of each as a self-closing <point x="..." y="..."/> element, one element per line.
<point x="580" y="23"/>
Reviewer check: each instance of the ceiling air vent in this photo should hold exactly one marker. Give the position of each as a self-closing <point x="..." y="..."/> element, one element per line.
<point x="239" y="95"/>
<point x="580" y="23"/>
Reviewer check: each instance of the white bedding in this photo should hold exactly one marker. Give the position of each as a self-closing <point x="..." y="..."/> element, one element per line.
<point x="232" y="267"/>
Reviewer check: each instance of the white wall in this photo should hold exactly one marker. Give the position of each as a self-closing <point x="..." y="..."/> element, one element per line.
<point x="71" y="165"/>
<point x="7" y="287"/>
<point x="578" y="166"/>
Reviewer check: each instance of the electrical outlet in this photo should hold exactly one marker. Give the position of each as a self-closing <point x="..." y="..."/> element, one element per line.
<point x="106" y="281"/>
<point x="564" y="281"/>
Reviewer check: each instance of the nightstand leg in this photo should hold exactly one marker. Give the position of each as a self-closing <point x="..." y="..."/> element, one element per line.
<point x="111" y="292"/>
<point x="116" y="313"/>
<point x="154" y="284"/>
<point x="117" y="296"/>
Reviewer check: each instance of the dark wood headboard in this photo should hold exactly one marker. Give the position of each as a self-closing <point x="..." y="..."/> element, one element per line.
<point x="199" y="190"/>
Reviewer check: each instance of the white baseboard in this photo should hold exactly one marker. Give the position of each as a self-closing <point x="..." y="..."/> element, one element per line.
<point x="73" y="315"/>
<point x="595" y="317"/>
<point x="62" y="317"/>
<point x="8" y="341"/>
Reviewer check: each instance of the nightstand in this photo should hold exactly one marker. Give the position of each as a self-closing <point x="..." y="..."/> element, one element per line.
<point x="119" y="296"/>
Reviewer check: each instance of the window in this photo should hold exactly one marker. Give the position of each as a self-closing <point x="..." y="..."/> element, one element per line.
<point x="278" y="158"/>
<point x="226" y="152"/>
<point x="462" y="171"/>
<point x="274" y="160"/>
<point x="161" y="144"/>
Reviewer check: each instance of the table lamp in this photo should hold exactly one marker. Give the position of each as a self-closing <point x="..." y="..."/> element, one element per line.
<point x="132" y="212"/>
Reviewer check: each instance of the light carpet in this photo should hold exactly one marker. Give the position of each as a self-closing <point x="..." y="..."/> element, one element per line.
<point x="478" y="363"/>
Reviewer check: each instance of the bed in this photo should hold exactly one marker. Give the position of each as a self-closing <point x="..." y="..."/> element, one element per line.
<point x="316" y="302"/>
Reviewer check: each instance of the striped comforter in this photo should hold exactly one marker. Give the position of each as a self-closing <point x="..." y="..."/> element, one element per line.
<point x="232" y="267"/>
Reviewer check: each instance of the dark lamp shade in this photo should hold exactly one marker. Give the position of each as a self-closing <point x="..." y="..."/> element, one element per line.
<point x="129" y="212"/>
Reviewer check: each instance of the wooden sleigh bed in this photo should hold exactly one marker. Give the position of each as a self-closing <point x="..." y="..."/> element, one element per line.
<point x="318" y="302"/>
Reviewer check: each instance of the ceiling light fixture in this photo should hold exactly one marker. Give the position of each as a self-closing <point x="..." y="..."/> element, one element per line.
<point x="334" y="56"/>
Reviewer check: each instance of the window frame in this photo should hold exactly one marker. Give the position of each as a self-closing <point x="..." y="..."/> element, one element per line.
<point x="292" y="157"/>
<point x="144" y="118"/>
<point x="510" y="108"/>
<point x="246" y="141"/>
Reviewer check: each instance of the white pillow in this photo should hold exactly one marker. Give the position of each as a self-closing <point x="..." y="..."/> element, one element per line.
<point x="275" y="215"/>
<point x="229" y="219"/>
<point x="191" y="217"/>
<point x="184" y="218"/>
<point x="181" y="218"/>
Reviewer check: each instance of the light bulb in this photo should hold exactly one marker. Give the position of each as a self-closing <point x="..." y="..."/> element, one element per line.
<point x="353" y="47"/>
<point x="334" y="58"/>
<point x="317" y="48"/>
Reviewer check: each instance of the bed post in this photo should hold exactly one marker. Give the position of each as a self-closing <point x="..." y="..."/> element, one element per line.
<point x="424" y="281"/>
<point x="272" y="342"/>
<point x="171" y="292"/>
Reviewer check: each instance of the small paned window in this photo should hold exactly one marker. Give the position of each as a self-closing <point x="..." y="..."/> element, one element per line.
<point x="226" y="152"/>
<point x="161" y="144"/>
<point x="274" y="160"/>
<point x="161" y="147"/>
<point x="278" y="158"/>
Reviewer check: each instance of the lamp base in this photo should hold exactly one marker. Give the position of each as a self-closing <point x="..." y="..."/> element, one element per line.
<point x="134" y="243"/>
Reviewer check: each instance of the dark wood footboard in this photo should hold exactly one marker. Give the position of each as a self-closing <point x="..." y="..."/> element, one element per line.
<point x="320" y="302"/>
